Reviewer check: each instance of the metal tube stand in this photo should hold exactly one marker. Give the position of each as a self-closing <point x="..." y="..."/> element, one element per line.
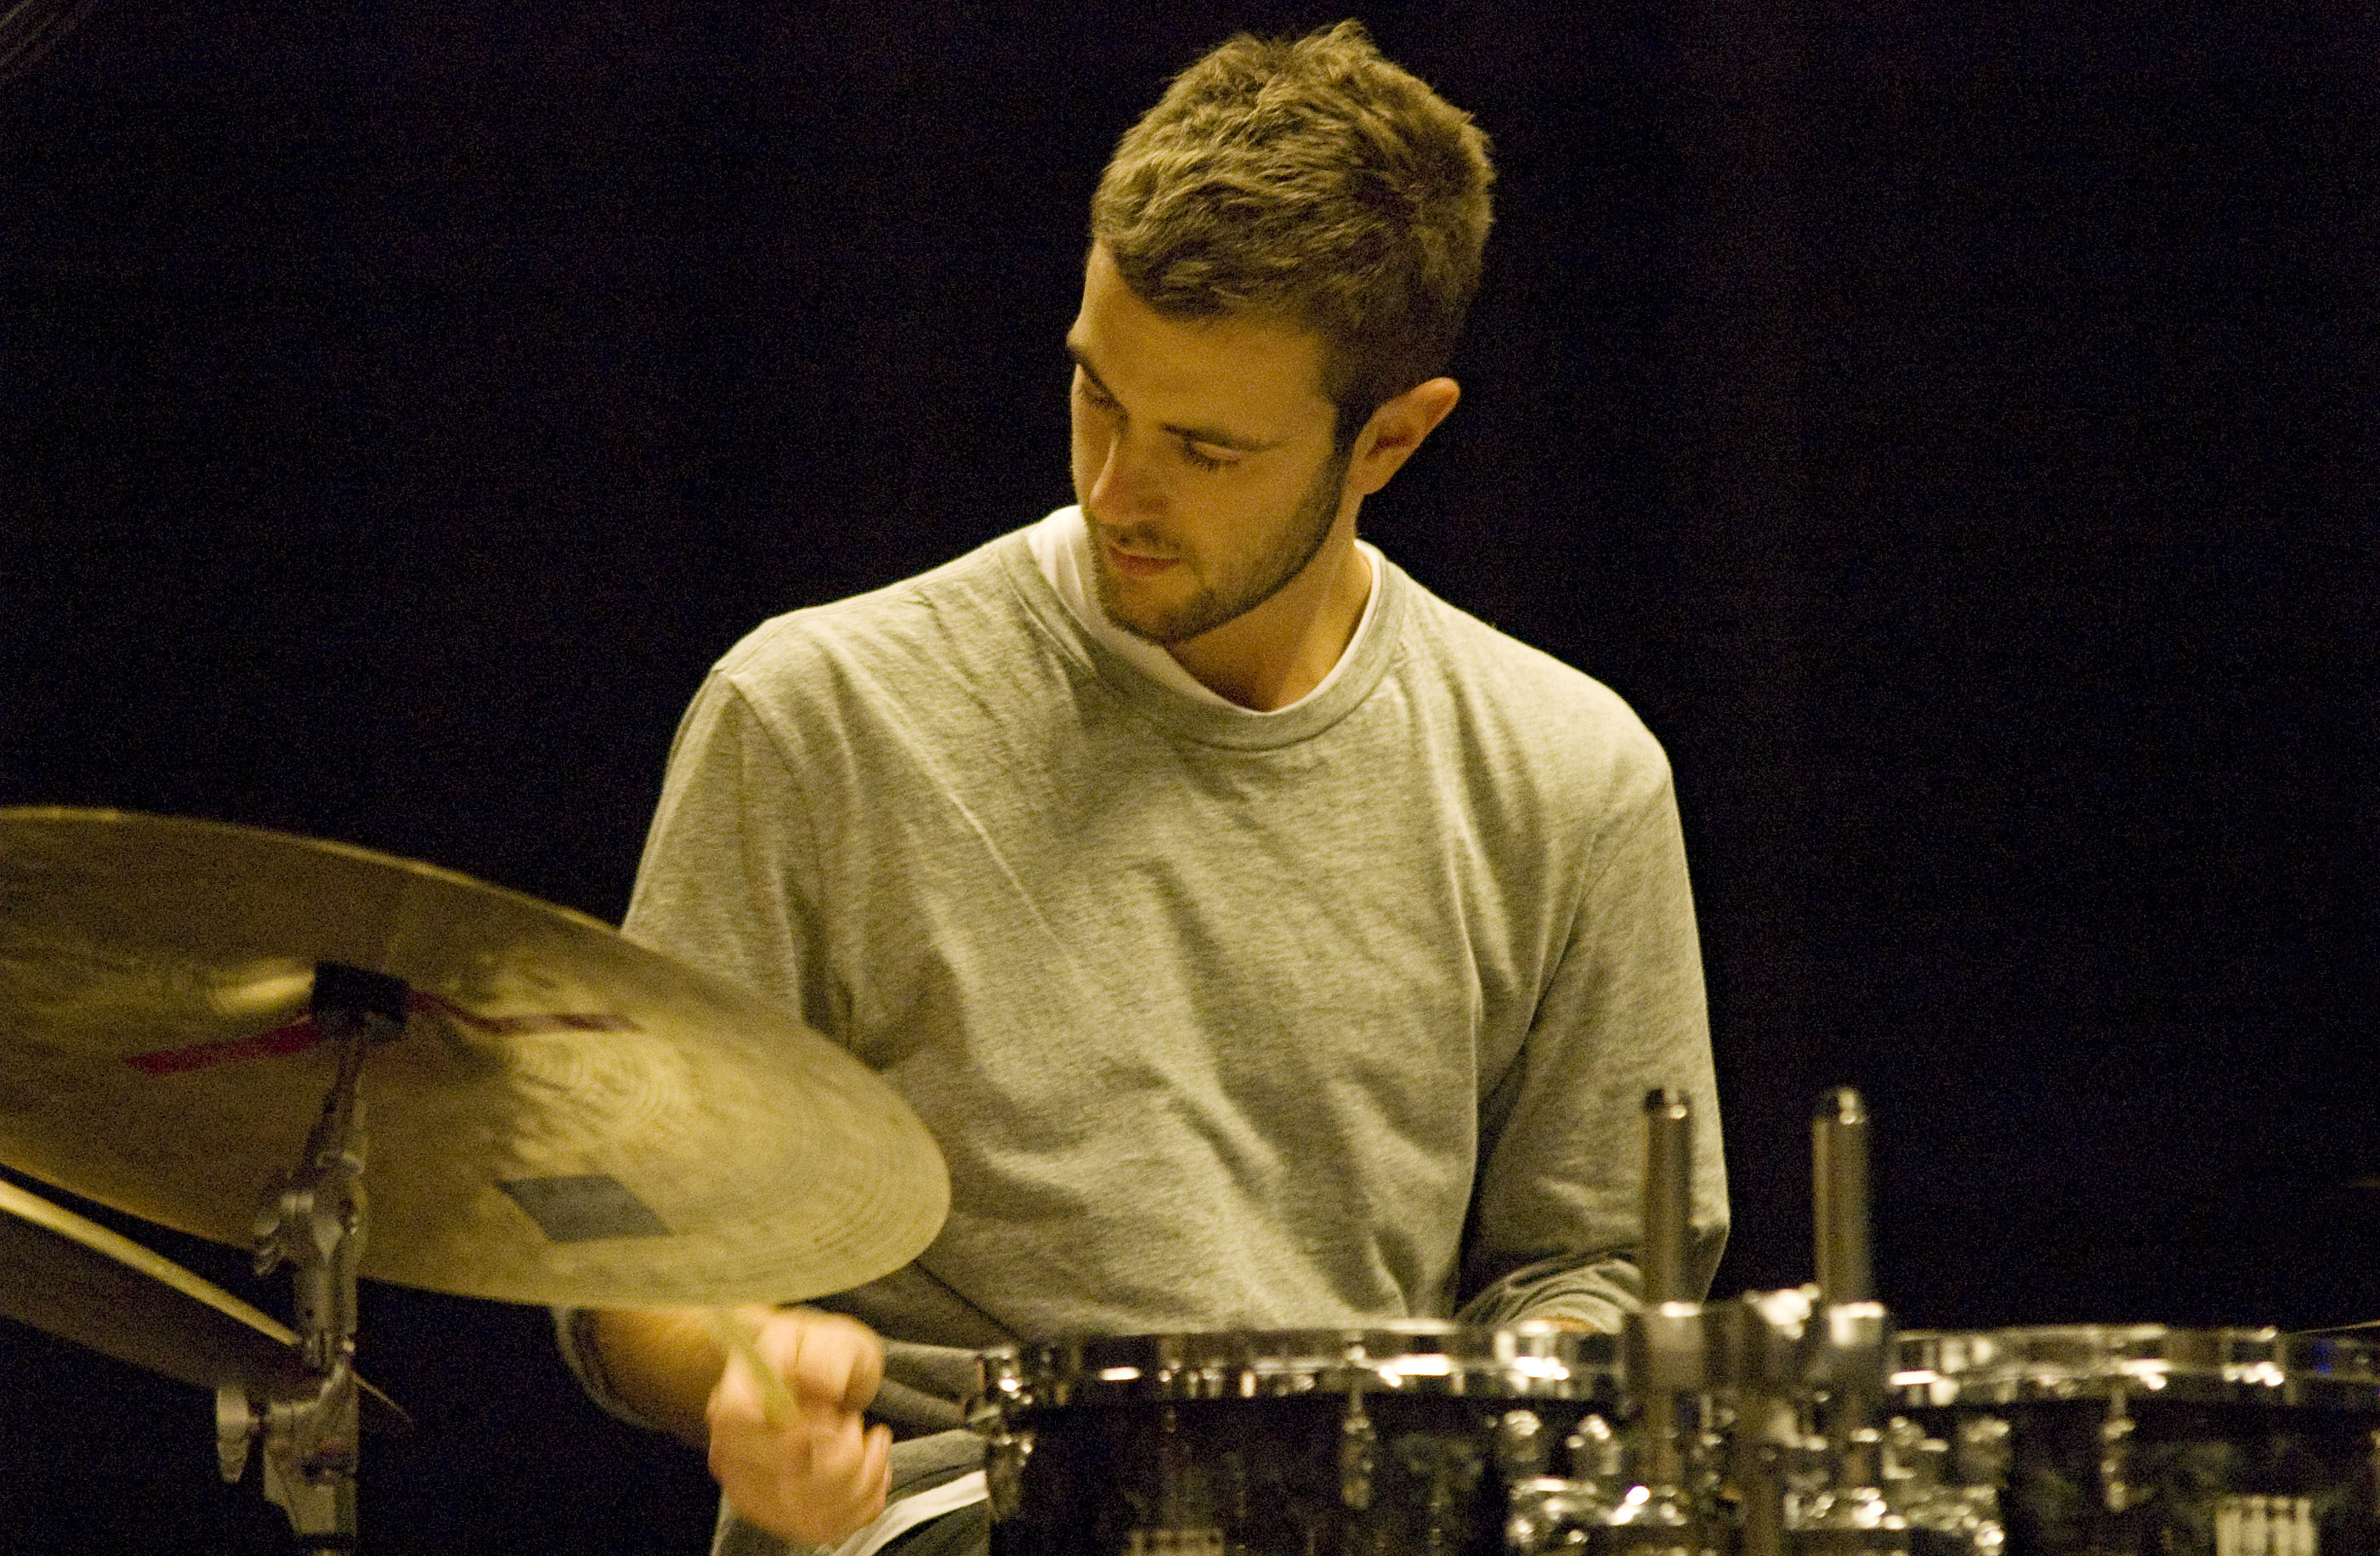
<point x="313" y="1219"/>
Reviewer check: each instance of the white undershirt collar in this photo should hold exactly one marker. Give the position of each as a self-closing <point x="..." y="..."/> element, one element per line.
<point x="1061" y="548"/>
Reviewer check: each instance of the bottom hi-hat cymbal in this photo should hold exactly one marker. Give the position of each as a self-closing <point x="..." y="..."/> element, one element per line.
<point x="66" y="1275"/>
<point x="566" y="1117"/>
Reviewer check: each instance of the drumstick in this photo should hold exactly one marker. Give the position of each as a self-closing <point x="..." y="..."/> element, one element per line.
<point x="738" y="1338"/>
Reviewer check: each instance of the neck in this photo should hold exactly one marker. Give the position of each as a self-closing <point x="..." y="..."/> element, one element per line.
<point x="1282" y="649"/>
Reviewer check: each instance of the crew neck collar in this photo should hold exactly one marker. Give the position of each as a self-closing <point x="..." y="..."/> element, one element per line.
<point x="1193" y="710"/>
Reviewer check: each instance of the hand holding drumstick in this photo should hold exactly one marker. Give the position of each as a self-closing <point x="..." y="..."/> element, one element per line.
<point x="788" y="1444"/>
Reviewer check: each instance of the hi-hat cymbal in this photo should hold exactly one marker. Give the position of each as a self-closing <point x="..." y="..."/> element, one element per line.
<point x="568" y="1116"/>
<point x="66" y="1275"/>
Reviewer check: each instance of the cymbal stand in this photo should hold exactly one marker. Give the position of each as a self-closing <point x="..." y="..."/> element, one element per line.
<point x="1850" y="1336"/>
<point x="1665" y="1347"/>
<point x="1641" y="1494"/>
<point x="313" y="1219"/>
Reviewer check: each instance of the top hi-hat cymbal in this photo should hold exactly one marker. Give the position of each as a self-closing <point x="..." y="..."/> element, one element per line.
<point x="566" y="1117"/>
<point x="67" y="1274"/>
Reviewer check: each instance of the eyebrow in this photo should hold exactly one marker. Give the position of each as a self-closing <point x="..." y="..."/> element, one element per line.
<point x="1213" y="435"/>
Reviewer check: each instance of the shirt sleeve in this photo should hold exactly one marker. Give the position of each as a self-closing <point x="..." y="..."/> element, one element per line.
<point x="1556" y="1223"/>
<point x="728" y="881"/>
<point x="574" y="1334"/>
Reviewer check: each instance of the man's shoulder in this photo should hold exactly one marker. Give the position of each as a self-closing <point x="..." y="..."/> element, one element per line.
<point x="959" y="608"/>
<point x="1520" y="693"/>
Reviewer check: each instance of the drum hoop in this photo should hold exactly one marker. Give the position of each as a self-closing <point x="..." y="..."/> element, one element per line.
<point x="1406" y="1357"/>
<point x="2137" y="1361"/>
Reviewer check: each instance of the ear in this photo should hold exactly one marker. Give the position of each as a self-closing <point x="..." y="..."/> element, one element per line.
<point x="1396" y="430"/>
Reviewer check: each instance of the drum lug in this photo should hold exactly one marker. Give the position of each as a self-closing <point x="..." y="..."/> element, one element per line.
<point x="2254" y="1526"/>
<point x="1003" y="1470"/>
<point x="1451" y="1470"/>
<point x="1004" y="1450"/>
<point x="1521" y="1449"/>
<point x="1917" y="1485"/>
<point x="1549" y="1513"/>
<point x="1981" y="1457"/>
<point x="1358" y="1453"/>
<point x="1174" y="1542"/>
<point x="236" y="1429"/>
<point x="2115" y="1456"/>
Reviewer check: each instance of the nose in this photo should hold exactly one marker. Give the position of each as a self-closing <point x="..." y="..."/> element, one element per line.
<point x="1122" y="489"/>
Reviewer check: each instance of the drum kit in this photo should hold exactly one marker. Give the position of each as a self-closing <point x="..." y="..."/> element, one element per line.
<point x="359" y="1066"/>
<point x="1782" y="1423"/>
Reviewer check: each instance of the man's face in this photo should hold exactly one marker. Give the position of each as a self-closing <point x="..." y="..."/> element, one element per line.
<point x="1203" y="459"/>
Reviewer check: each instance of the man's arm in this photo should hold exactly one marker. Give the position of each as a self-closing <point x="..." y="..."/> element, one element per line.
<point x="662" y="1364"/>
<point x="1559" y="1207"/>
<point x="807" y="1468"/>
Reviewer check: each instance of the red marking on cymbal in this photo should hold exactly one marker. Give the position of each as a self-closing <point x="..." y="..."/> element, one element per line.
<point x="294" y="1038"/>
<point x="298" y="1036"/>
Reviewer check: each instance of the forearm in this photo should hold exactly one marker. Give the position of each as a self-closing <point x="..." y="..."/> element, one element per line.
<point x="663" y="1364"/>
<point x="1587" y="1292"/>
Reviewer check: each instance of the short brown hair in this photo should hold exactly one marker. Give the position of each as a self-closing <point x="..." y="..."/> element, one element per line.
<point x="1313" y="180"/>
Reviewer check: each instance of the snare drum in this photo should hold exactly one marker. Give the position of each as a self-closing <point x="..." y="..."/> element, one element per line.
<point x="2144" y="1441"/>
<point x="1391" y="1441"/>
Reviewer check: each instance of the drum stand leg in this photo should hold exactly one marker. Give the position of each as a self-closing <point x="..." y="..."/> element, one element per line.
<point x="314" y="1220"/>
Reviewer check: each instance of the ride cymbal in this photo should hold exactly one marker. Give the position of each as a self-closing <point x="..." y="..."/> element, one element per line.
<point x="566" y="1117"/>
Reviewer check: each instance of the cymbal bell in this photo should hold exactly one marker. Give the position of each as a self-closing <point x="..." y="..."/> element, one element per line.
<point x="567" y="1117"/>
<point x="67" y="1276"/>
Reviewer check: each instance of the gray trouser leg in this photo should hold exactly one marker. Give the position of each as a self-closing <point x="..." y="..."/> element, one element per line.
<point x="966" y="1532"/>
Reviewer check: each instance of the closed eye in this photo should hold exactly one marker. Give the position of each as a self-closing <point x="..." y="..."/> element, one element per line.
<point x="1196" y="451"/>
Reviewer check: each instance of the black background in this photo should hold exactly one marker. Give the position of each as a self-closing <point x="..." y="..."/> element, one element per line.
<point x="1951" y="430"/>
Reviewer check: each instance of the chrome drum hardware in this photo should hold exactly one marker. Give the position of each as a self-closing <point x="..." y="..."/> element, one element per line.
<point x="2140" y="1439"/>
<point x="1400" y="1441"/>
<point x="1782" y="1423"/>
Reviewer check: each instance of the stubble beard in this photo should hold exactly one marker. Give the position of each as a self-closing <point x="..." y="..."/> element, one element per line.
<point x="1226" y="599"/>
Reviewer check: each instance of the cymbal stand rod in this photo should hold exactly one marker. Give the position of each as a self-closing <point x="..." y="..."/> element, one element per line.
<point x="1668" y="1172"/>
<point x="1665" y="1348"/>
<point x="1846" y="1293"/>
<point x="314" y="1220"/>
<point x="1668" y="1193"/>
<point x="1854" y="1337"/>
<point x="1838" y="1175"/>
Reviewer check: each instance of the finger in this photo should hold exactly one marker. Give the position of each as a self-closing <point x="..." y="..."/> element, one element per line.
<point x="760" y="1466"/>
<point x="854" y="1467"/>
<point x="879" y="1469"/>
<point x="832" y="1358"/>
<point x="870" y="1482"/>
<point x="837" y="1451"/>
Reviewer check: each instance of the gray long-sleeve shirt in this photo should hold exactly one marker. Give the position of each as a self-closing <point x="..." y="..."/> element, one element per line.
<point x="1222" y="1020"/>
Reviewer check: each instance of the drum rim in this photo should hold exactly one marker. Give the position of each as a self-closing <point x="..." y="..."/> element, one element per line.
<point x="1528" y="1359"/>
<point x="2092" y="1360"/>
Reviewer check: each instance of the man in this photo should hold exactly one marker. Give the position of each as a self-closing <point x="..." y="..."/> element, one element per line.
<point x="1267" y="943"/>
